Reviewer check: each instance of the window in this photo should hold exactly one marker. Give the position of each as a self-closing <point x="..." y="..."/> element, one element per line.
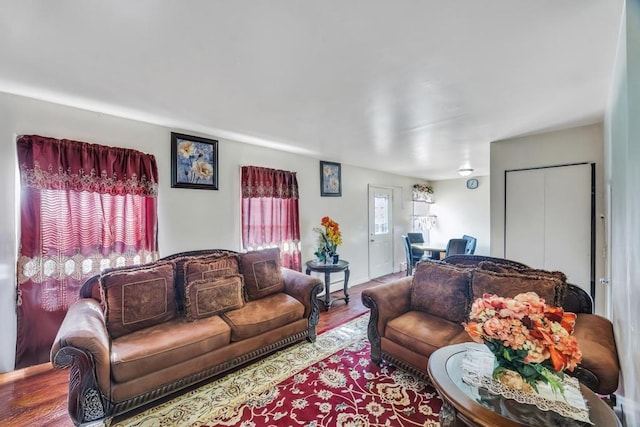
<point x="84" y="207"/>
<point x="381" y="218"/>
<point x="270" y="213"/>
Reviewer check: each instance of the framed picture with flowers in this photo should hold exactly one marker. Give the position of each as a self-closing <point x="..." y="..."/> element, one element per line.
<point x="194" y="162"/>
<point x="330" y="179"/>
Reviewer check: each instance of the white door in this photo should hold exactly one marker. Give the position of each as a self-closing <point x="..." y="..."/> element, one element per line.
<point x="380" y="231"/>
<point x="548" y="220"/>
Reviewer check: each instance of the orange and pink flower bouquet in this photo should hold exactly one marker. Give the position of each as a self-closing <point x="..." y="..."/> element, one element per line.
<point x="329" y="238"/>
<point x="527" y="337"/>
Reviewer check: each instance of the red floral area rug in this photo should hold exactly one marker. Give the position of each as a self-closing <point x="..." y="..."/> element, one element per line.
<point x="305" y="386"/>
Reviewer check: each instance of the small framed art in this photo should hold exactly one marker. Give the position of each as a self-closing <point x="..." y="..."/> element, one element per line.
<point x="194" y="162"/>
<point x="330" y="179"/>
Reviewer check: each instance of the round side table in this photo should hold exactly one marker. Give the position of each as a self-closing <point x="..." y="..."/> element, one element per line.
<point x="327" y="269"/>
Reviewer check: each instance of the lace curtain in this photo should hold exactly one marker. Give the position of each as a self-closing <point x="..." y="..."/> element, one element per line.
<point x="270" y="213"/>
<point x="84" y="207"/>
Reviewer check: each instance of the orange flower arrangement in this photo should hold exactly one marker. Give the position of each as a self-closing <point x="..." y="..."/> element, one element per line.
<point x="330" y="237"/>
<point x="332" y="229"/>
<point x="526" y="336"/>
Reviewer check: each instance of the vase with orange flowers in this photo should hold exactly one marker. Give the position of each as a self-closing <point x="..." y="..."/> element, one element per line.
<point x="329" y="238"/>
<point x="530" y="340"/>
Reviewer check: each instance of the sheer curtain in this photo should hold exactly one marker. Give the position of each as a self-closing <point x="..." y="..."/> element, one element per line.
<point x="270" y="213"/>
<point x="84" y="207"/>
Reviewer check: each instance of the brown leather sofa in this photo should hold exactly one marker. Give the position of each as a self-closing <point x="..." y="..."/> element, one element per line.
<point x="414" y="316"/>
<point x="140" y="333"/>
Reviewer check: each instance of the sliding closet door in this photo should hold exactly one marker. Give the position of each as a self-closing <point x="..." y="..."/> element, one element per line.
<point x="548" y="220"/>
<point x="524" y="217"/>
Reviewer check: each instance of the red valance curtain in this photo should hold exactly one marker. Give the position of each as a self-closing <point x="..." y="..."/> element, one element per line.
<point x="270" y="212"/>
<point x="84" y="208"/>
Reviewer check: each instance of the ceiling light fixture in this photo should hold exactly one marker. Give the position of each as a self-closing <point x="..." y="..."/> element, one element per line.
<point x="465" y="171"/>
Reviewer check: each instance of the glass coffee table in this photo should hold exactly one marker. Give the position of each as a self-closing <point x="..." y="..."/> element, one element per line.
<point x="467" y="405"/>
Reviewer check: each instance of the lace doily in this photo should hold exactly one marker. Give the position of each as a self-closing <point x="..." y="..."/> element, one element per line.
<point x="477" y="369"/>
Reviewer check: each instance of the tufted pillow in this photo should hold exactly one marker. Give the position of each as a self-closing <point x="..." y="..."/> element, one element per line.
<point x="508" y="269"/>
<point x="211" y="296"/>
<point x="138" y="298"/>
<point x="209" y="268"/>
<point x="180" y="261"/>
<point x="441" y="290"/>
<point x="511" y="284"/>
<point x="262" y="273"/>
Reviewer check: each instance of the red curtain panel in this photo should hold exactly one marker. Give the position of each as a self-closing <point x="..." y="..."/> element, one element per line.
<point x="270" y="212"/>
<point x="83" y="208"/>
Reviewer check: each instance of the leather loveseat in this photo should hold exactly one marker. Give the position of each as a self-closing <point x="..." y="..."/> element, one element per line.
<point x="140" y="333"/>
<point x="414" y="316"/>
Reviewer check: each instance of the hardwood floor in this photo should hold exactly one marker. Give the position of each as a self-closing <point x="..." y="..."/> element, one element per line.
<point x="37" y="396"/>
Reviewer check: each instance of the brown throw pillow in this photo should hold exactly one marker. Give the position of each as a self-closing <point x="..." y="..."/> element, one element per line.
<point x="211" y="296"/>
<point x="182" y="260"/>
<point x="262" y="273"/>
<point x="511" y="284"/>
<point x="138" y="298"/>
<point x="180" y="278"/>
<point x="210" y="268"/>
<point x="441" y="289"/>
<point x="527" y="271"/>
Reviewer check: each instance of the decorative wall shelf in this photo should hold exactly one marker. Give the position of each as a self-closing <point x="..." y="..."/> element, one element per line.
<point x="421" y="196"/>
<point x="422" y="219"/>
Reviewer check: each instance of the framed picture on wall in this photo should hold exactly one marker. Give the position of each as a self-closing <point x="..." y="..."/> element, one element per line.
<point x="194" y="162"/>
<point x="330" y="179"/>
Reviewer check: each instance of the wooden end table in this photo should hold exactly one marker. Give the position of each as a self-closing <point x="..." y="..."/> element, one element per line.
<point x="467" y="405"/>
<point x="327" y="269"/>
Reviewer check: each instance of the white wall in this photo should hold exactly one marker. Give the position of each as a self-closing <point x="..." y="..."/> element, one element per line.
<point x="623" y="175"/>
<point x="8" y="248"/>
<point x="188" y="219"/>
<point x="575" y="145"/>
<point x="462" y="211"/>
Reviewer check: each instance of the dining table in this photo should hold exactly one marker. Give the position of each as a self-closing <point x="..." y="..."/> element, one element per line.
<point x="429" y="249"/>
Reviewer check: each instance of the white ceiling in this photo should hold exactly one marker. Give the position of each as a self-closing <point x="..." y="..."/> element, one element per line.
<point x="413" y="87"/>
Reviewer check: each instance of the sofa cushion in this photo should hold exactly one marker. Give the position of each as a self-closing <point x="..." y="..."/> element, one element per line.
<point x="262" y="273"/>
<point x="512" y="269"/>
<point x="421" y="332"/>
<point x="138" y="298"/>
<point x="511" y="284"/>
<point x="167" y="344"/>
<point x="210" y="267"/>
<point x="210" y="296"/>
<point x="442" y="290"/>
<point x="263" y="315"/>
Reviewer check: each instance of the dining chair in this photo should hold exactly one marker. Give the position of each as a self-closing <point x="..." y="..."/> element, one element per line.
<point x="471" y="244"/>
<point x="416" y="238"/>
<point x="455" y="247"/>
<point x="412" y="259"/>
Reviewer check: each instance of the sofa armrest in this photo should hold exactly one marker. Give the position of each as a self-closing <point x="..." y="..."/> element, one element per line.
<point x="83" y="343"/>
<point x="576" y="300"/>
<point x="600" y="367"/>
<point x="386" y="302"/>
<point x="305" y="289"/>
